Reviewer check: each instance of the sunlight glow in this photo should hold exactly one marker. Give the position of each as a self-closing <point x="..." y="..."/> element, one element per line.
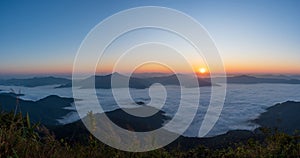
<point x="202" y="70"/>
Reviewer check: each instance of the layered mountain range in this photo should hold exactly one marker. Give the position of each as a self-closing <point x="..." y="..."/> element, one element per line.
<point x="117" y="80"/>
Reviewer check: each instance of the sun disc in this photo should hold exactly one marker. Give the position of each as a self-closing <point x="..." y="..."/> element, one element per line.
<point x="202" y="70"/>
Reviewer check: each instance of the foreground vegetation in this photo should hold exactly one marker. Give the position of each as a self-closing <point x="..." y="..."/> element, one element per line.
<point x="19" y="138"/>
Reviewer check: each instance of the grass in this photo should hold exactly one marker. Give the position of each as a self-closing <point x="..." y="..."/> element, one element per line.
<point x="19" y="138"/>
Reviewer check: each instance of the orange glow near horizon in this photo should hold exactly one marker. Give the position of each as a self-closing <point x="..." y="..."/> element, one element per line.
<point x="261" y="67"/>
<point x="146" y="68"/>
<point x="254" y="68"/>
<point x="231" y="69"/>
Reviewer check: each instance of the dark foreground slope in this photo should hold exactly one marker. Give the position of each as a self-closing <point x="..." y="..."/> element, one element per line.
<point x="76" y="132"/>
<point x="287" y="112"/>
<point x="19" y="138"/>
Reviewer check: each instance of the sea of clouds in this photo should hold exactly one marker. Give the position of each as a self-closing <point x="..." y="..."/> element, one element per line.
<point x="243" y="102"/>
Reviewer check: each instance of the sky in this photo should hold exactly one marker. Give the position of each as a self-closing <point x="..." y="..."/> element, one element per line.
<point x="252" y="36"/>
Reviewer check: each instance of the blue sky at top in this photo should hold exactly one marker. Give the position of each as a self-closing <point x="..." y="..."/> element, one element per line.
<point x="45" y="35"/>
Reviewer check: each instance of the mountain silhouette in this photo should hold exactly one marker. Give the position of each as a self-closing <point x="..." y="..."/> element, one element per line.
<point x="245" y="79"/>
<point x="120" y="81"/>
<point x="46" y="110"/>
<point x="186" y="81"/>
<point x="283" y="116"/>
<point x="35" y="82"/>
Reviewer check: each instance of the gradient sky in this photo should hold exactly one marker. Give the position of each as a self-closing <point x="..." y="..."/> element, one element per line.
<point x="253" y="36"/>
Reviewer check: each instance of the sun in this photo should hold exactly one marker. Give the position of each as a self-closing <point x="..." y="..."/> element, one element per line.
<point x="202" y="70"/>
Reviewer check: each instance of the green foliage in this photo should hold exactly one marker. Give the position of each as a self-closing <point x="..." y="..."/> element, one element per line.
<point x="18" y="138"/>
<point x="274" y="145"/>
<point x="28" y="121"/>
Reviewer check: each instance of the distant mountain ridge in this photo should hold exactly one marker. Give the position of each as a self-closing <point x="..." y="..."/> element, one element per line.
<point x="35" y="82"/>
<point x="120" y="81"/>
<point x="245" y="79"/>
<point x="187" y="81"/>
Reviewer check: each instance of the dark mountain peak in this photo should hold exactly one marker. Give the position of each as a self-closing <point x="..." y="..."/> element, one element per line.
<point x="245" y="79"/>
<point x="119" y="81"/>
<point x="52" y="97"/>
<point x="117" y="74"/>
<point x="244" y="76"/>
<point x="121" y="76"/>
<point x="150" y="74"/>
<point x="55" y="100"/>
<point x="45" y="77"/>
<point x="108" y="75"/>
<point x="172" y="76"/>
